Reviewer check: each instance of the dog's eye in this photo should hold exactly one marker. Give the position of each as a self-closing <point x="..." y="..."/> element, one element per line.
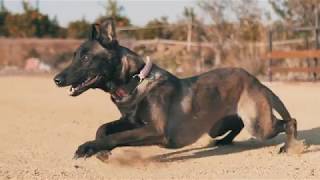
<point x="85" y="58"/>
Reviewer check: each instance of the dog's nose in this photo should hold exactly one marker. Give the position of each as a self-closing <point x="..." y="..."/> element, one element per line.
<point x="59" y="80"/>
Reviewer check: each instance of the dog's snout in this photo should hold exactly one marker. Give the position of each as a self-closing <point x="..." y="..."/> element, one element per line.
<point x="59" y="80"/>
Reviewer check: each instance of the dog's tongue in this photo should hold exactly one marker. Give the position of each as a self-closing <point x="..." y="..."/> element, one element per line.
<point x="121" y="92"/>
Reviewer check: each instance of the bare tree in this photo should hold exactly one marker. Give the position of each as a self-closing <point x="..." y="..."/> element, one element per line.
<point x="296" y="12"/>
<point x="232" y="23"/>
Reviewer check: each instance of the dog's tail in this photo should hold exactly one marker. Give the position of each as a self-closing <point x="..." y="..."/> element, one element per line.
<point x="278" y="105"/>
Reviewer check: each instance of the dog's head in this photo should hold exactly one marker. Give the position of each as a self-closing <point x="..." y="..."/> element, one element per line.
<point x="94" y="63"/>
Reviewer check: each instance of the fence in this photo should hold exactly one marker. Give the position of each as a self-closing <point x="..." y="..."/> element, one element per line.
<point x="301" y="55"/>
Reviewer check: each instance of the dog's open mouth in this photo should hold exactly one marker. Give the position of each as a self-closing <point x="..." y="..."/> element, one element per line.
<point x="77" y="89"/>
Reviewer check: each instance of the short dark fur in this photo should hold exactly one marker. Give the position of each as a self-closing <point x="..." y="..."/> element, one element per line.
<point x="165" y="110"/>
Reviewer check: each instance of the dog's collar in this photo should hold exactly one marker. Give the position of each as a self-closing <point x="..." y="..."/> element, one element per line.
<point x="134" y="82"/>
<point x="145" y="71"/>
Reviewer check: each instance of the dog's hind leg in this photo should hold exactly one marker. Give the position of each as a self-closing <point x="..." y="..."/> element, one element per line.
<point x="256" y="113"/>
<point x="232" y="124"/>
<point x="255" y="108"/>
<point x="290" y="128"/>
<point x="292" y="142"/>
<point x="288" y="124"/>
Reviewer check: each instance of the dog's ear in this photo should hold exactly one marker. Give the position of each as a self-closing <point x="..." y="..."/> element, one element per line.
<point x="95" y="32"/>
<point x="109" y="29"/>
<point x="105" y="33"/>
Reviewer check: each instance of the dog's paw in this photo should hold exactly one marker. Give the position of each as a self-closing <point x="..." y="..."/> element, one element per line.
<point x="86" y="150"/>
<point x="295" y="147"/>
<point x="283" y="149"/>
<point x="103" y="155"/>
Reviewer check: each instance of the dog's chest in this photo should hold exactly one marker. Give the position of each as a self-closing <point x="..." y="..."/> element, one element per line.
<point x="186" y="102"/>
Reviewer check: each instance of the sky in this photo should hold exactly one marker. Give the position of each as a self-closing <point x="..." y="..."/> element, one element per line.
<point x="139" y="11"/>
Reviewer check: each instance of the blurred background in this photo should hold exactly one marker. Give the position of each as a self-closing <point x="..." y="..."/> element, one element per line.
<point x="40" y="127"/>
<point x="186" y="37"/>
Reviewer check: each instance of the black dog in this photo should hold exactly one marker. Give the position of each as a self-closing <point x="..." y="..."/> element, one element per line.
<point x="158" y="108"/>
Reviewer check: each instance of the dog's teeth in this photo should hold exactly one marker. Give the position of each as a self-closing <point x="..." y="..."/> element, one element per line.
<point x="71" y="90"/>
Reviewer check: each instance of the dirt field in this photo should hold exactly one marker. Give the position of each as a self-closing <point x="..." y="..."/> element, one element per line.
<point x="41" y="127"/>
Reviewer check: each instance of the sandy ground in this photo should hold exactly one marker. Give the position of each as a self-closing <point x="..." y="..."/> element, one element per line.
<point x="41" y="127"/>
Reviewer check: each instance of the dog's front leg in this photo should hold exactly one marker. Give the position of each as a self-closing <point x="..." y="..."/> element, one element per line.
<point x="146" y="135"/>
<point x="120" y="125"/>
